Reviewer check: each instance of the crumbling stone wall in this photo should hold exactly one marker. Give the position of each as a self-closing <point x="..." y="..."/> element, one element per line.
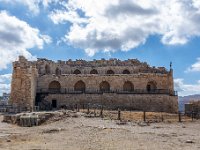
<point x="134" y="66"/>
<point x="23" y="84"/>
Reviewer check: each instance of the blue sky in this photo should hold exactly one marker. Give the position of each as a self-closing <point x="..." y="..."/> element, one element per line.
<point x="153" y="31"/>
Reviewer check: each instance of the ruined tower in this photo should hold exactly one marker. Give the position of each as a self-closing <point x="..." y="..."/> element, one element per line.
<point x="23" y="84"/>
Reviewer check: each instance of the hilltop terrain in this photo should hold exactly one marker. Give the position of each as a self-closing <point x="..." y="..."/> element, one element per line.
<point x="82" y="133"/>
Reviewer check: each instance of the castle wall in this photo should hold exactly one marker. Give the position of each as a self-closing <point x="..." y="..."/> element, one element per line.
<point x="147" y="102"/>
<point x="102" y="66"/>
<point x="116" y="81"/>
<point x="31" y="78"/>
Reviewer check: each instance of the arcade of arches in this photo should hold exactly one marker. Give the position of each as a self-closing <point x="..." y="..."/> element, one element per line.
<point x="58" y="71"/>
<point x="103" y="86"/>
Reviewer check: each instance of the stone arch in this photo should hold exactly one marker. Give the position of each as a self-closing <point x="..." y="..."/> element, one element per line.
<point x="54" y="86"/>
<point x="47" y="69"/>
<point x="104" y="86"/>
<point x="58" y="71"/>
<point x="151" y="86"/>
<point x="93" y="71"/>
<point x="77" y="71"/>
<point x="128" y="86"/>
<point x="79" y="86"/>
<point x="110" y="72"/>
<point x="126" y="71"/>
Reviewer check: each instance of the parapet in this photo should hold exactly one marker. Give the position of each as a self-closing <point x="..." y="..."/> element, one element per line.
<point x="69" y="66"/>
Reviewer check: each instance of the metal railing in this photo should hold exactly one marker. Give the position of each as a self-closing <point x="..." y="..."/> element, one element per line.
<point x="93" y="91"/>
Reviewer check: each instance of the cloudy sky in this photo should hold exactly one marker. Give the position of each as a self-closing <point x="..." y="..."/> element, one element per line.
<point x="156" y="31"/>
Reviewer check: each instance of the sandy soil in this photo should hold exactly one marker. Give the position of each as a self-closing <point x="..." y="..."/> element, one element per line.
<point x="83" y="133"/>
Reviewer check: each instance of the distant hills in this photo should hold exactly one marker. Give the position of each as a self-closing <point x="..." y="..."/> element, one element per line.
<point x="186" y="99"/>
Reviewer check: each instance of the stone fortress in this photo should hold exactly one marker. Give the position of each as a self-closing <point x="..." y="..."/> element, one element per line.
<point x="128" y="84"/>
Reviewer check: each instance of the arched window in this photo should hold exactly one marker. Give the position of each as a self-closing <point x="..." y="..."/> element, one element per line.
<point x="79" y="86"/>
<point x="58" y="71"/>
<point x="110" y="72"/>
<point x="128" y="86"/>
<point x="47" y="69"/>
<point x="104" y="86"/>
<point x="93" y="71"/>
<point x="54" y="86"/>
<point x="151" y="86"/>
<point x="126" y="72"/>
<point x="77" y="71"/>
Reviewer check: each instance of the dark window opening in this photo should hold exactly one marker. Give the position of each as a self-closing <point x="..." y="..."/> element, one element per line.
<point x="58" y="71"/>
<point x="93" y="71"/>
<point x="110" y="72"/>
<point x="126" y="72"/>
<point x="47" y="69"/>
<point x="148" y="88"/>
<point x="77" y="71"/>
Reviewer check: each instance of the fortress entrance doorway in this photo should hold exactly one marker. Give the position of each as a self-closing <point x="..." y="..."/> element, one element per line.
<point x="54" y="103"/>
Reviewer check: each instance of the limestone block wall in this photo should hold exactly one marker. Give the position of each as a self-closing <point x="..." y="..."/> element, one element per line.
<point x="147" y="102"/>
<point x="116" y="81"/>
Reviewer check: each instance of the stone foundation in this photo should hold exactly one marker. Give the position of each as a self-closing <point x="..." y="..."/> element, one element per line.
<point x="147" y="102"/>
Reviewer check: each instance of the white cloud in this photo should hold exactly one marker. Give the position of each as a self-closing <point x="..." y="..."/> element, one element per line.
<point x="5" y="83"/>
<point x="122" y="25"/>
<point x="186" y="89"/>
<point x="46" y="3"/>
<point x="4" y="88"/>
<point x="58" y="16"/>
<point x="16" y="36"/>
<point x="5" y="78"/>
<point x="47" y="39"/>
<point x="194" y="67"/>
<point x="32" y="5"/>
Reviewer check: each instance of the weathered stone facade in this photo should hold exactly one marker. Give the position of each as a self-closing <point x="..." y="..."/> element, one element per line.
<point x="112" y="83"/>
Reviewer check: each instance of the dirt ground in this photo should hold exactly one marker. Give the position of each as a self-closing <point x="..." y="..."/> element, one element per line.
<point x="82" y="133"/>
